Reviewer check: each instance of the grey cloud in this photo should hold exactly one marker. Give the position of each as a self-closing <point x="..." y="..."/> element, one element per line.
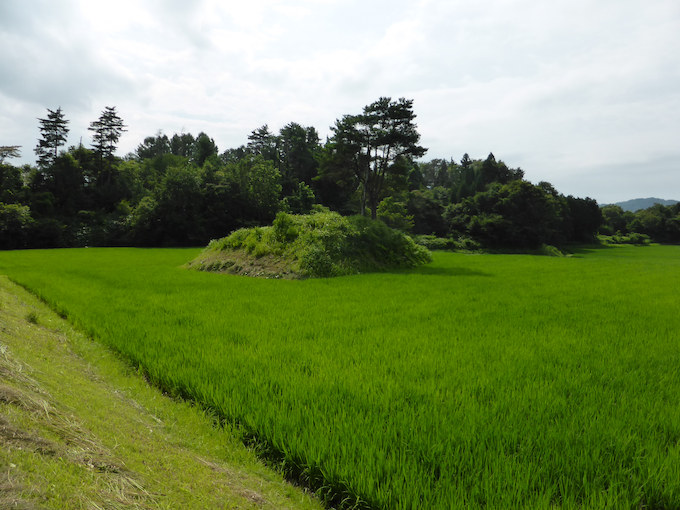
<point x="48" y="62"/>
<point x="552" y="87"/>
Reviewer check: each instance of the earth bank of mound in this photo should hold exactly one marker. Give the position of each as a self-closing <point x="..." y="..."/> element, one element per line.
<point x="316" y="245"/>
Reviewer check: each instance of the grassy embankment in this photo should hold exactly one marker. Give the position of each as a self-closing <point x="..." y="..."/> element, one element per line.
<point x="79" y="429"/>
<point x="315" y="245"/>
<point x="499" y="381"/>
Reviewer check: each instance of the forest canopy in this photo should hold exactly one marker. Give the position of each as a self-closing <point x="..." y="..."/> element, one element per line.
<point x="181" y="190"/>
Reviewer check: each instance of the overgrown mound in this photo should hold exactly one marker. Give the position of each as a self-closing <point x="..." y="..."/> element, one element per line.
<point x="316" y="245"/>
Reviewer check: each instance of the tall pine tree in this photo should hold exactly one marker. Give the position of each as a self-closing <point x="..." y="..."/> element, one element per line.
<point x="53" y="133"/>
<point x="107" y="130"/>
<point x="376" y="139"/>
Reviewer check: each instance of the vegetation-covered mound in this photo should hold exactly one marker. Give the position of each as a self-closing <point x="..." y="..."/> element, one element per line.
<point x="316" y="245"/>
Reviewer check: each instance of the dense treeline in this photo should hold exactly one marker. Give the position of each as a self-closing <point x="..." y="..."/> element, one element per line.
<point x="659" y="223"/>
<point x="181" y="190"/>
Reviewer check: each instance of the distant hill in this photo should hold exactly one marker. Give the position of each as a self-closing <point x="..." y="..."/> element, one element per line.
<point x="637" y="204"/>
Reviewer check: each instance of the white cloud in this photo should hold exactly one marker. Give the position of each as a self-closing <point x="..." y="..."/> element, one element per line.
<point x="564" y="89"/>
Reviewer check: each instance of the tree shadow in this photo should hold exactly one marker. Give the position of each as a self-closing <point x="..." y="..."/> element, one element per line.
<point x="581" y="250"/>
<point x="428" y="270"/>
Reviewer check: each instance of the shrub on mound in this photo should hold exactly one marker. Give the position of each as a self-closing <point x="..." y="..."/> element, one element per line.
<point x="316" y="245"/>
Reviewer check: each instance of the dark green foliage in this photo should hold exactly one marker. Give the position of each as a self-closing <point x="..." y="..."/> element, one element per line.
<point x="182" y="145"/>
<point x="297" y="150"/>
<point x="261" y="142"/>
<point x="521" y="215"/>
<point x="10" y="184"/>
<point x="65" y="181"/>
<point x="585" y="219"/>
<point x="180" y="191"/>
<point x="615" y="219"/>
<point x="15" y="223"/>
<point x="659" y="223"/>
<point x="300" y="201"/>
<point x="48" y="233"/>
<point x="204" y="148"/>
<point x="153" y="146"/>
<point x="107" y="131"/>
<point x="427" y="209"/>
<point x="474" y="176"/>
<point x="257" y="188"/>
<point x="171" y="216"/>
<point x="337" y="181"/>
<point x="517" y="215"/>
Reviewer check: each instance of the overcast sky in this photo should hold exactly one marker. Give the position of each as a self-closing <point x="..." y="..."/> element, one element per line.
<point x="584" y="94"/>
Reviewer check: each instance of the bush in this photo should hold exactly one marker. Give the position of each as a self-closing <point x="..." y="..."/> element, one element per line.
<point x="461" y="243"/>
<point x="549" y="251"/>
<point x="432" y="242"/>
<point x="631" y="238"/>
<point x="320" y="245"/>
<point x="395" y="214"/>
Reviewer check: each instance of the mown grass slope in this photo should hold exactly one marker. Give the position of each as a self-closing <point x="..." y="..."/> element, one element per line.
<point x="502" y="381"/>
<point x="78" y="429"/>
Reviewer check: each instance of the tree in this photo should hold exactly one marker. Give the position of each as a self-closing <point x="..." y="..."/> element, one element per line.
<point x="336" y="182"/>
<point x="614" y="220"/>
<point x="264" y="189"/>
<point x="262" y="142"/>
<point x="585" y="218"/>
<point x="394" y="214"/>
<point x="65" y="181"/>
<point x="435" y="173"/>
<point x="473" y="176"/>
<point x="9" y="151"/>
<point x="297" y="147"/>
<point x="53" y="132"/>
<point x="204" y="147"/>
<point x="15" y="221"/>
<point x="179" y="203"/>
<point x="661" y="223"/>
<point x="257" y="189"/>
<point x="153" y="146"/>
<point x="107" y="130"/>
<point x="182" y="145"/>
<point x="426" y="211"/>
<point x="376" y="138"/>
<point x="300" y="201"/>
<point x="10" y="184"/>
<point x="518" y="215"/>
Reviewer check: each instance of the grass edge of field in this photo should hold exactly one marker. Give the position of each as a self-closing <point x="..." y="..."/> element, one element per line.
<point x="80" y="429"/>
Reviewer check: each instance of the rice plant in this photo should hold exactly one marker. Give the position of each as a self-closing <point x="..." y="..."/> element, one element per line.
<point x="500" y="381"/>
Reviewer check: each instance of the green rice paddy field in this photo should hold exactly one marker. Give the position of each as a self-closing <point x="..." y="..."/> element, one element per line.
<point x="500" y="381"/>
